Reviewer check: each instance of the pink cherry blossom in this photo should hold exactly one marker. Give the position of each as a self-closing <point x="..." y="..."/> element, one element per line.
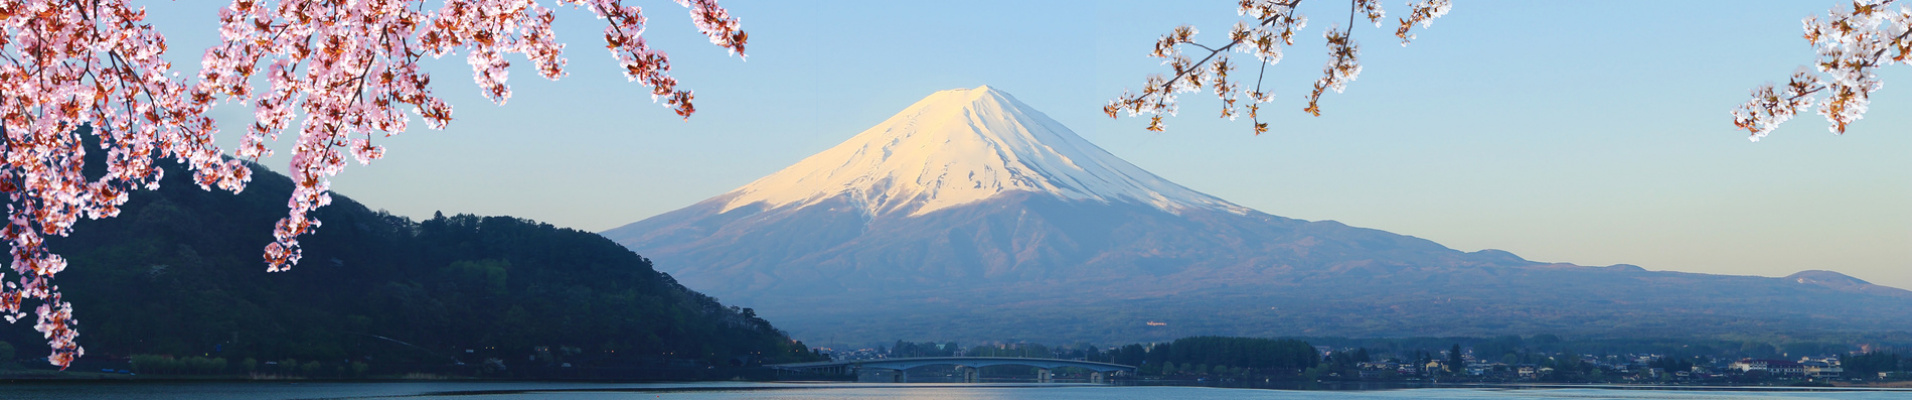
<point x="347" y="71"/>
<point x="1852" y="44"/>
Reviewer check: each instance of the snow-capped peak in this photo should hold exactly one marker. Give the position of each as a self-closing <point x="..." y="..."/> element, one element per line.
<point x="961" y="146"/>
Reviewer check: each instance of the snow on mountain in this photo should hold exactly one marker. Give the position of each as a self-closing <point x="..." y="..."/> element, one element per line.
<point x="971" y="217"/>
<point x="961" y="146"/>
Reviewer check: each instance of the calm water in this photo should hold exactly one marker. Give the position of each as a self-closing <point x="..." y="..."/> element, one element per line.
<point x="719" y="391"/>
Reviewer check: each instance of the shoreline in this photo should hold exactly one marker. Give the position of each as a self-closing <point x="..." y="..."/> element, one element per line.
<point x="692" y="386"/>
<point x="1691" y="388"/>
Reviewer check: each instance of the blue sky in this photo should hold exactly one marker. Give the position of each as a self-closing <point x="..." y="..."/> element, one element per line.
<point x="1586" y="132"/>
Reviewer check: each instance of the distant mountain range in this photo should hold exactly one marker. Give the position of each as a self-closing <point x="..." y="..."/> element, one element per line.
<point x="971" y="216"/>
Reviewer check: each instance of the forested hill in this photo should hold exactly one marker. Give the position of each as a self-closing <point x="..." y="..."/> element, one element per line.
<point x="179" y="273"/>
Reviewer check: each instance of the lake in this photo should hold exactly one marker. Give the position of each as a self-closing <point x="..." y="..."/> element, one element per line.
<point x="799" y="391"/>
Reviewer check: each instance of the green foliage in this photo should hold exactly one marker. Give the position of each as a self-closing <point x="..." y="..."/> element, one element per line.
<point x="155" y="364"/>
<point x="1559" y="360"/>
<point x="178" y="273"/>
<point x="1344" y="363"/>
<point x="488" y="276"/>
<point x="1869" y="365"/>
<point x="1133" y="354"/>
<point x="1672" y="364"/>
<point x="1210" y="354"/>
<point x="1025" y="350"/>
<point x="1525" y="350"/>
<point x="1455" y="362"/>
<point x="924" y="349"/>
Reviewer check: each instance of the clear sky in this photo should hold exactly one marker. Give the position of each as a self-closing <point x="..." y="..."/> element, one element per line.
<point x="1589" y="132"/>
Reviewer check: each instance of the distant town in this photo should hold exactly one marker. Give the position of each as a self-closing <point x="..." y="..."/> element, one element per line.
<point x="1232" y="361"/>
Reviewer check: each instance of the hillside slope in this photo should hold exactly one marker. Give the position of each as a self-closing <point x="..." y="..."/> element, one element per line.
<point x="180" y="273"/>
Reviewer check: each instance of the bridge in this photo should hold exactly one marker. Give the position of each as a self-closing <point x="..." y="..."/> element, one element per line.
<point x="968" y="365"/>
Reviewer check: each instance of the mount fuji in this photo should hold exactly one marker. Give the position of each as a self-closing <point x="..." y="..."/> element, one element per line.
<point x="971" y="216"/>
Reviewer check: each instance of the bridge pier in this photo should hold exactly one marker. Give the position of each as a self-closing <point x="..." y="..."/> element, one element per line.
<point x="902" y="376"/>
<point x="1096" y="377"/>
<point x="972" y="374"/>
<point x="1044" y="376"/>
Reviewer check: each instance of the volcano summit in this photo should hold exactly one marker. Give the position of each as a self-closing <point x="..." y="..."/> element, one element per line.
<point x="958" y="147"/>
<point x="971" y="216"/>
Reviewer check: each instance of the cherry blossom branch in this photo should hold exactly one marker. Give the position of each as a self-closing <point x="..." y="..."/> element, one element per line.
<point x="70" y="67"/>
<point x="1345" y="66"/>
<point x="1852" y="45"/>
<point x="1275" y="23"/>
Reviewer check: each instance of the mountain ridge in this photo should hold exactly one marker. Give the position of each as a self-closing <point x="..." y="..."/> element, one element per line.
<point x="178" y="273"/>
<point x="1045" y="263"/>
